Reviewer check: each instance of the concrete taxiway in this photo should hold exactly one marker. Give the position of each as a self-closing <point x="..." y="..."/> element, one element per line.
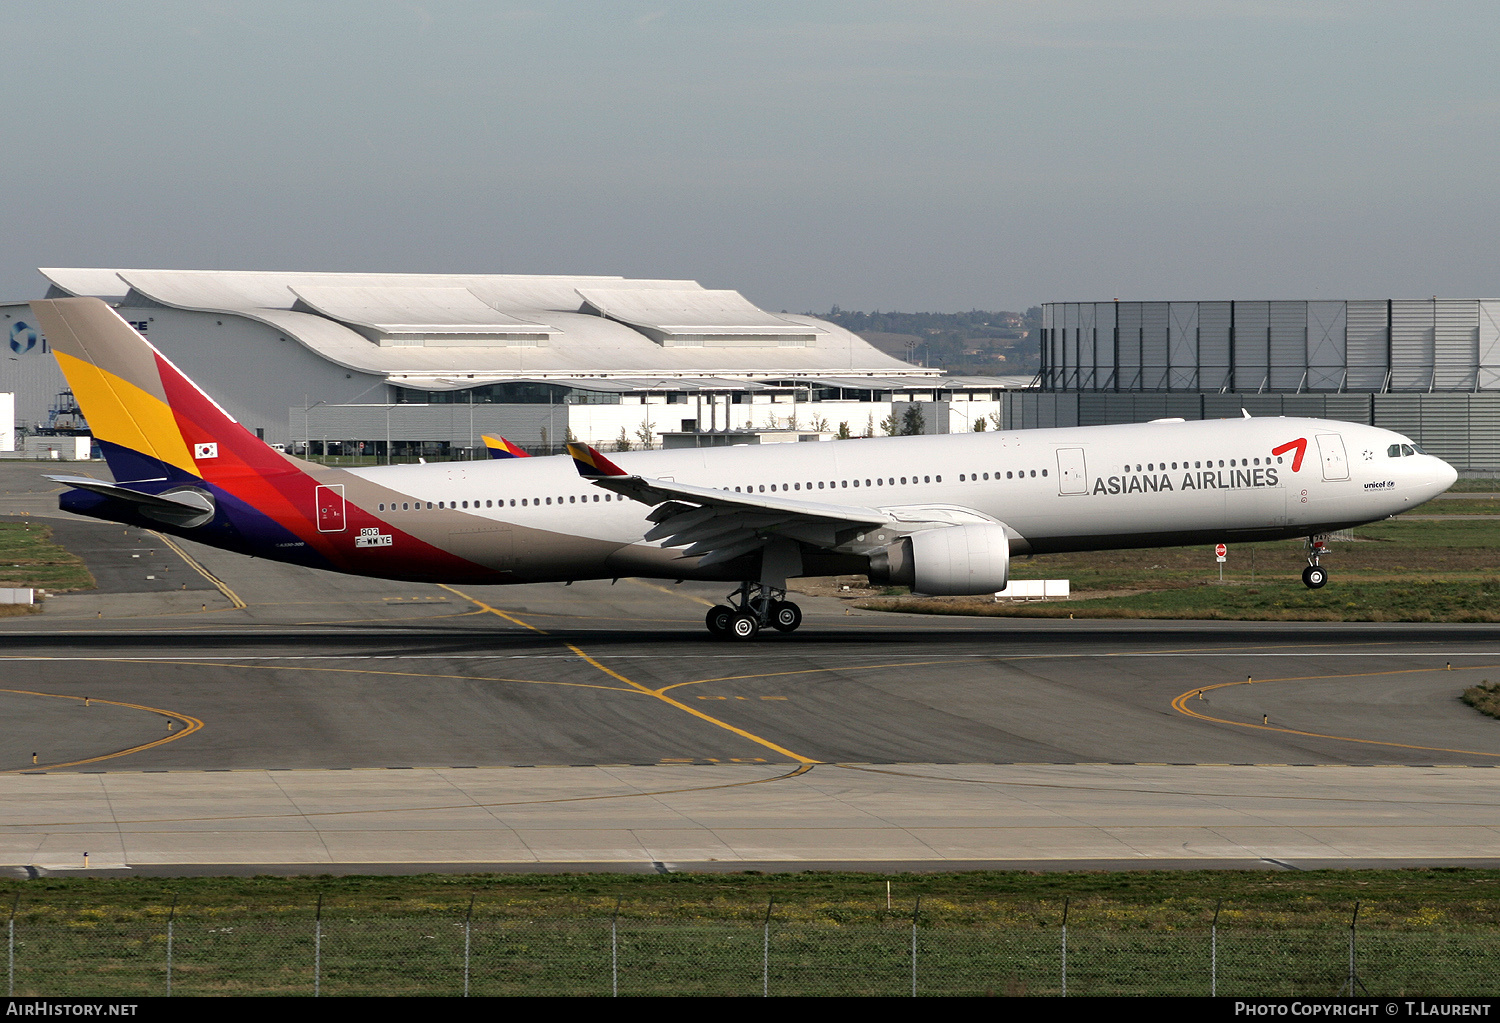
<point x="249" y="715"/>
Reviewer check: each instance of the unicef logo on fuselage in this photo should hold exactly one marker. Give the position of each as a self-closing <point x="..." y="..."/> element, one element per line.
<point x="23" y="337"/>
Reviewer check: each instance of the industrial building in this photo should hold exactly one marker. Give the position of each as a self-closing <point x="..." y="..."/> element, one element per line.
<point x="408" y="364"/>
<point x="1428" y="368"/>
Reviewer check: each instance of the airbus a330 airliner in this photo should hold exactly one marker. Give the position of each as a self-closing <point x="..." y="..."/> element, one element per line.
<point x="941" y="514"/>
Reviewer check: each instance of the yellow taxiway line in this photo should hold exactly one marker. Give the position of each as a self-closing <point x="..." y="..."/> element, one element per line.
<point x="1180" y="704"/>
<point x="659" y="694"/>
<point x="192" y="562"/>
<point x="192" y="723"/>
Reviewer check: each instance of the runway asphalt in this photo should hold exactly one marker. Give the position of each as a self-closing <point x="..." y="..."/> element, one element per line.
<point x="864" y="738"/>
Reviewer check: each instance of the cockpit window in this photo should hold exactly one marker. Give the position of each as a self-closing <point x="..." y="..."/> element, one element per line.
<point x="1394" y="451"/>
<point x="1407" y="449"/>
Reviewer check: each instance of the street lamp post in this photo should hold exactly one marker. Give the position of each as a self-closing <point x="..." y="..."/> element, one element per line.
<point x="307" y="430"/>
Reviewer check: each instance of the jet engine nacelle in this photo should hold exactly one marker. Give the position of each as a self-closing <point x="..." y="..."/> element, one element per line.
<point x="948" y="561"/>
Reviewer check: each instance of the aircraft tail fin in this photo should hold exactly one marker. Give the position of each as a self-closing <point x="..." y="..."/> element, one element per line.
<point x="591" y="464"/>
<point x="499" y="447"/>
<point x="150" y="420"/>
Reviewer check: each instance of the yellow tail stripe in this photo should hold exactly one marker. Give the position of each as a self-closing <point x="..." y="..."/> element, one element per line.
<point x="119" y="412"/>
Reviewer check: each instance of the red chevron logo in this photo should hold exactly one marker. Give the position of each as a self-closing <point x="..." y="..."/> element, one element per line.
<point x="1300" y="444"/>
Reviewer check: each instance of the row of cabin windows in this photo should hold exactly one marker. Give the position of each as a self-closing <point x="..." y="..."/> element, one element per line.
<point x="525" y="502"/>
<point x="1207" y="463"/>
<point x="973" y="477"/>
<point x="834" y="484"/>
<point x="753" y="488"/>
<point x="891" y="481"/>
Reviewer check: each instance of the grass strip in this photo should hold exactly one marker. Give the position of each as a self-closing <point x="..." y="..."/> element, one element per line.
<point x="1457" y="899"/>
<point x="1428" y="931"/>
<point x="1484" y="698"/>
<point x="28" y="557"/>
<point x="1399" y="570"/>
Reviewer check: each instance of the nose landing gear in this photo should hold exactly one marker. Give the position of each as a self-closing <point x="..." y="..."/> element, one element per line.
<point x="749" y="609"/>
<point x="1315" y="576"/>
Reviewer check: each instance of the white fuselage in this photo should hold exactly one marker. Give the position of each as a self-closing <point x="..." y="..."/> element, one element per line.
<point x="1083" y="488"/>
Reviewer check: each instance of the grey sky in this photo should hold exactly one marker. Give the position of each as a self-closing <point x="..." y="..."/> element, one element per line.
<point x="873" y="154"/>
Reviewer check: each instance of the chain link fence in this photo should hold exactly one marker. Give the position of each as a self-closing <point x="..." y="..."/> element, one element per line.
<point x="323" y="951"/>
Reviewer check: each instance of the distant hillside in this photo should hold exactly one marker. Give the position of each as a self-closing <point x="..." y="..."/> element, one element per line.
<point x="973" y="343"/>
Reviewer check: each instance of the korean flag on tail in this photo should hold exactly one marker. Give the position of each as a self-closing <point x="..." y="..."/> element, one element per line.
<point x="202" y="451"/>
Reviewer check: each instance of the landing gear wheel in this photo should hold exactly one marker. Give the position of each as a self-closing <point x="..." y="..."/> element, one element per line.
<point x="744" y="626"/>
<point x="785" y="616"/>
<point x="1314" y="577"/>
<point x="719" y="618"/>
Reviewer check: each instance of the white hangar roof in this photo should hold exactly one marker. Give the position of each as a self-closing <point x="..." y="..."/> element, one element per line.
<point x="447" y="331"/>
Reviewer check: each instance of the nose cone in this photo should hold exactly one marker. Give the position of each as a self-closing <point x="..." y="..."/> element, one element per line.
<point x="1445" y="476"/>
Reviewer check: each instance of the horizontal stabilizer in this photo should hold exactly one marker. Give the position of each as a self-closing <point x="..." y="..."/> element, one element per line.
<point x="183" y="506"/>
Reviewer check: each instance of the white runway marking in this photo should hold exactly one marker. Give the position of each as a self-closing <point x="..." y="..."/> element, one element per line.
<point x="759" y="657"/>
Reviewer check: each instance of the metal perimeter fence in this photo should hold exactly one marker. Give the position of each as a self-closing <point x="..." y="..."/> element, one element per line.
<point x="323" y="951"/>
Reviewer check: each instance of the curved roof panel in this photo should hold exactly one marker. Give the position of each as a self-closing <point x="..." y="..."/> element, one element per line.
<point x="687" y="311"/>
<point x="86" y="282"/>
<point x="401" y="311"/>
<point x="336" y="313"/>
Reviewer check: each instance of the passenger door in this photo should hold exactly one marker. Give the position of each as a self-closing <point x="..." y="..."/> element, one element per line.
<point x="1335" y="461"/>
<point x="1072" y="473"/>
<point x="330" y="504"/>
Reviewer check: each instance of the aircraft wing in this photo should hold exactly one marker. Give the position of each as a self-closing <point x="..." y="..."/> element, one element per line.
<point x="719" y="525"/>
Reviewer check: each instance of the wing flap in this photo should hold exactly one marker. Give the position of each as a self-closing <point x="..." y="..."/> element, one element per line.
<point x="718" y="524"/>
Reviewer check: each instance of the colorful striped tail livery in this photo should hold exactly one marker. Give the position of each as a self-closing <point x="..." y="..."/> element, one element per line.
<point x="591" y="464"/>
<point x="499" y="447"/>
<point x="182" y="464"/>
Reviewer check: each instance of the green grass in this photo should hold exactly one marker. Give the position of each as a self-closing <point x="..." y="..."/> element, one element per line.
<point x="1462" y="899"/>
<point x="1416" y="601"/>
<point x="1130" y="933"/>
<point x="1484" y="698"/>
<point x="28" y="557"/>
<point x="1399" y="570"/>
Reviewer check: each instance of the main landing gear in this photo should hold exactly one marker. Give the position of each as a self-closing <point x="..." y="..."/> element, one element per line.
<point x="1315" y="576"/>
<point x="752" y="607"/>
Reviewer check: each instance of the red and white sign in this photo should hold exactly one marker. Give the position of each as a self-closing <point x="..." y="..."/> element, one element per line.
<point x="1221" y="550"/>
